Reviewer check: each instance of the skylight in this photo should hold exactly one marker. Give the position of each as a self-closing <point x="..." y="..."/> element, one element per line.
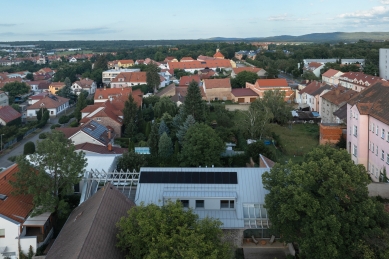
<point x="3" y="197"/>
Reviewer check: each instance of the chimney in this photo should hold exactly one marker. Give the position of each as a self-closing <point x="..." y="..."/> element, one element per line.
<point x="109" y="146"/>
<point x="109" y="134"/>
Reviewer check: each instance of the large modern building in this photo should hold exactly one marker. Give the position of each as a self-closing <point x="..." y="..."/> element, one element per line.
<point x="383" y="63"/>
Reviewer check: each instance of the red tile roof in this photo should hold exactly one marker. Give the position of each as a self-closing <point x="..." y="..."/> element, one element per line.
<point x="119" y="94"/>
<point x="315" y="64"/>
<point x="130" y="77"/>
<point x="15" y="207"/>
<point x="49" y="102"/>
<point x="238" y="92"/>
<point x="100" y="149"/>
<point x="249" y="69"/>
<point x="7" y="114"/>
<point x="279" y="82"/>
<point x="359" y="76"/>
<point x="330" y="72"/>
<point x="84" y="83"/>
<point x="126" y="61"/>
<point x="186" y="80"/>
<point x="217" y="83"/>
<point x="218" y="55"/>
<point x="311" y="87"/>
<point x="68" y="132"/>
<point x="187" y="59"/>
<point x="339" y="95"/>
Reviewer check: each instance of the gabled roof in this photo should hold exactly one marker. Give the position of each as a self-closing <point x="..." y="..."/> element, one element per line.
<point x="90" y="231"/>
<point x="84" y="83"/>
<point x="44" y="85"/>
<point x="339" y="95"/>
<point x="359" y="76"/>
<point x="278" y="82"/>
<point x="126" y="61"/>
<point x="218" y="54"/>
<point x="315" y="65"/>
<point x="249" y="69"/>
<point x="14" y="207"/>
<point x="186" y="59"/>
<point x="373" y="101"/>
<point x="341" y="113"/>
<point x="311" y="87"/>
<point x="239" y="92"/>
<point x="330" y="72"/>
<point x="7" y="114"/>
<point x="49" y="102"/>
<point x="321" y="89"/>
<point x="57" y="84"/>
<point x="100" y="149"/>
<point x="130" y="77"/>
<point x="186" y="80"/>
<point x="166" y="89"/>
<point x="217" y="83"/>
<point x="119" y="93"/>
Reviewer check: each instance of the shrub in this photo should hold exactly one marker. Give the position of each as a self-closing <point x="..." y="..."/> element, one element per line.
<point x="29" y="148"/>
<point x="63" y="119"/>
<point x="12" y="158"/>
<point x="55" y="126"/>
<point x="74" y="124"/>
<point x="42" y="135"/>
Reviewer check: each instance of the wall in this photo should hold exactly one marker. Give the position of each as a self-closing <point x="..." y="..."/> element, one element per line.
<point x="330" y="134"/>
<point x="220" y="93"/>
<point x="246" y="98"/>
<point x="383" y="63"/>
<point x="379" y="189"/>
<point x="81" y="137"/>
<point x="26" y="242"/>
<point x="11" y="234"/>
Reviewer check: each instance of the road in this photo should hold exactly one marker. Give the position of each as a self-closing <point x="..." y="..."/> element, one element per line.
<point x="19" y="147"/>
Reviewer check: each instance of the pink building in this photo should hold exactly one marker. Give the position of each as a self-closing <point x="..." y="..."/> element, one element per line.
<point x="368" y="129"/>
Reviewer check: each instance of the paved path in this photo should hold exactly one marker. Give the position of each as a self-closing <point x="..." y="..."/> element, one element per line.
<point x="18" y="148"/>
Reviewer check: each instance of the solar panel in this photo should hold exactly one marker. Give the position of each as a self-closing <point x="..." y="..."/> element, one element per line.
<point x="189" y="177"/>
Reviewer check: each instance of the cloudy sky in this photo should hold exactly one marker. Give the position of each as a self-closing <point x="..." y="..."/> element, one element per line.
<point x="23" y="20"/>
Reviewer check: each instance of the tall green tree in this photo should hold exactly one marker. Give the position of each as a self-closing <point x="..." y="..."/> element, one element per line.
<point x="130" y="117"/>
<point x="281" y="110"/>
<point x="15" y="88"/>
<point x="323" y="205"/>
<point x="256" y="119"/>
<point x="101" y="63"/>
<point x="165" y="146"/>
<point x="242" y="78"/>
<point x="193" y="104"/>
<point x="184" y="237"/>
<point x="165" y="105"/>
<point x="50" y="174"/>
<point x="184" y="128"/>
<point x="131" y="161"/>
<point x="81" y="104"/>
<point x="66" y="91"/>
<point x="152" y="77"/>
<point x="153" y="140"/>
<point x="201" y="146"/>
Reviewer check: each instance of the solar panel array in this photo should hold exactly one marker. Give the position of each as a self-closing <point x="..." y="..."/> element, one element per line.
<point x="189" y="177"/>
<point x="95" y="129"/>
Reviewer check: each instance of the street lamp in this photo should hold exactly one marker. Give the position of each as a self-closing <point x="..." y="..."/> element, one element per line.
<point x="1" y="142"/>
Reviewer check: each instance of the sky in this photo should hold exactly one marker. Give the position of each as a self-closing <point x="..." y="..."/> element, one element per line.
<point x="26" y="20"/>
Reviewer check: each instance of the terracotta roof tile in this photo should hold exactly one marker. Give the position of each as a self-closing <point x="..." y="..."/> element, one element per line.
<point x="100" y="149"/>
<point x="130" y="77"/>
<point x="238" y="92"/>
<point x="330" y="72"/>
<point x="7" y="114"/>
<point x="339" y="95"/>
<point x="249" y="69"/>
<point x="279" y="82"/>
<point x="15" y="207"/>
<point x="49" y="102"/>
<point x="218" y="54"/>
<point x="217" y="83"/>
<point x="126" y="61"/>
<point x="311" y="87"/>
<point x="186" y="80"/>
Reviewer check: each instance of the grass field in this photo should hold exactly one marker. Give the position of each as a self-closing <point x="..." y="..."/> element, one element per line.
<point x="67" y="53"/>
<point x="296" y="140"/>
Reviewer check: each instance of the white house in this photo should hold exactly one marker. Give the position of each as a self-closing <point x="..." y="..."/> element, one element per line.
<point x="54" y="104"/>
<point x="72" y="60"/>
<point x="84" y="85"/>
<point x="331" y="76"/>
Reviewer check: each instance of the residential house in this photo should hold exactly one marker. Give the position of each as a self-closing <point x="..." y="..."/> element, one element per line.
<point x="35" y="85"/>
<point x="17" y="228"/>
<point x="368" y="129"/>
<point x="314" y="97"/>
<point x="104" y="94"/>
<point x="84" y="85"/>
<point x="186" y="59"/>
<point x="186" y="80"/>
<point x="259" y="71"/>
<point x="139" y="61"/>
<point x="128" y="79"/>
<point x="218" y="55"/>
<point x="54" y="104"/>
<point x="322" y="61"/>
<point x="89" y="148"/>
<point x="192" y="66"/>
<point x="306" y="95"/>
<point x="357" y="81"/>
<point x="8" y="114"/>
<point x="170" y="59"/>
<point x="125" y="63"/>
<point x="243" y="95"/>
<point x="4" y="100"/>
<point x="9" y="80"/>
<point x="35" y="98"/>
<point x="313" y="67"/>
<point x="332" y="101"/>
<point x="177" y="93"/>
<point x="54" y="87"/>
<point x="383" y="63"/>
<point x="90" y="132"/>
<point x="235" y="196"/>
<point x="43" y="86"/>
<point x="46" y="70"/>
<point x="72" y="60"/>
<point x="207" y="73"/>
<point x="90" y="231"/>
<point x="331" y="76"/>
<point x="109" y="75"/>
<point x="262" y="85"/>
<point x="251" y="54"/>
<point x="217" y="89"/>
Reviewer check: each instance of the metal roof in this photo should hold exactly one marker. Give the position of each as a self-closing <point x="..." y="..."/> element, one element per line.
<point x="195" y="194"/>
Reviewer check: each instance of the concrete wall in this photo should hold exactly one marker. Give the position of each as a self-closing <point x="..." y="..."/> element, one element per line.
<point x="220" y="93"/>
<point x="11" y="236"/>
<point x="330" y="134"/>
<point x="379" y="189"/>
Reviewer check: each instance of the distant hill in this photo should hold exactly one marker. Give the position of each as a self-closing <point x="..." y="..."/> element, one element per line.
<point x="316" y="37"/>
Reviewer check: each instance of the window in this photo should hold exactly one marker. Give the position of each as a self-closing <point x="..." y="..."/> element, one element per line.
<point x="355" y="132"/>
<point x="369" y="145"/>
<point x="387" y="136"/>
<point x="185" y="203"/>
<point x="227" y="204"/>
<point x="199" y="204"/>
<point x="98" y="119"/>
<point x="355" y="150"/>
<point x="387" y="158"/>
<point x="376" y="151"/>
<point x="376" y="172"/>
<point x="376" y="130"/>
<point x="373" y="127"/>
<point x="2" y="233"/>
<point x="372" y="169"/>
<point x="383" y="134"/>
<point x="382" y="155"/>
<point x="372" y="148"/>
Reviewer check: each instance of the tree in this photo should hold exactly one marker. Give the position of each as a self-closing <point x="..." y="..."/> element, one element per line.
<point x="184" y="128"/>
<point x="193" y="104"/>
<point x="165" y="105"/>
<point x="242" y="78"/>
<point x="14" y="89"/>
<point x="323" y="205"/>
<point x="81" y="104"/>
<point x="131" y="161"/>
<point x="148" y="129"/>
<point x="66" y="91"/>
<point x="280" y="109"/>
<point x="40" y="113"/>
<point x="163" y="128"/>
<point x="257" y="119"/>
<point x="153" y="140"/>
<point x="50" y="174"/>
<point x="152" y="77"/>
<point x="256" y="148"/>
<point x="101" y="63"/>
<point x="29" y="148"/>
<point x="130" y="117"/>
<point x="201" y="146"/>
<point x="149" y="232"/>
<point x="30" y="76"/>
<point x="165" y="146"/>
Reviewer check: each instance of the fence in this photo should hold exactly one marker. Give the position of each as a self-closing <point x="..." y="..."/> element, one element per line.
<point x="15" y="140"/>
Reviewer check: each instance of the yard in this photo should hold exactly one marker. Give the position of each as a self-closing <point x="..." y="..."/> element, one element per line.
<point x="296" y="140"/>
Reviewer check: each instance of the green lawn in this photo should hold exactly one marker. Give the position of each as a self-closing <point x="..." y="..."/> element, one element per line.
<point x="296" y="140"/>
